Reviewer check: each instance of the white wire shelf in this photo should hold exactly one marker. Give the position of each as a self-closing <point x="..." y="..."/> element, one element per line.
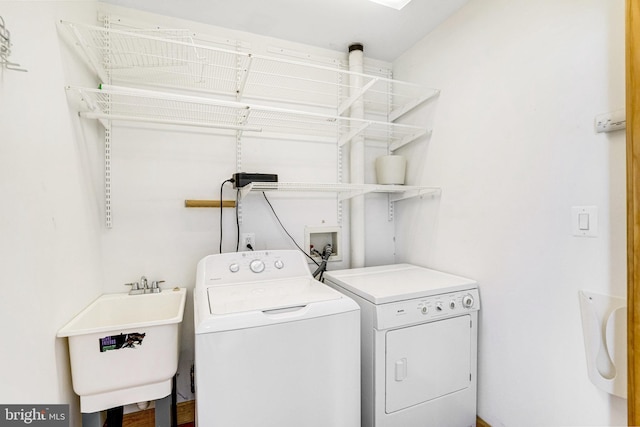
<point x="191" y="82"/>
<point x="173" y="59"/>
<point x="128" y="104"/>
<point x="344" y="191"/>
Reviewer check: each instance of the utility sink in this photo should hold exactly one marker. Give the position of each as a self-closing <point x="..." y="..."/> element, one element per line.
<point x="124" y="348"/>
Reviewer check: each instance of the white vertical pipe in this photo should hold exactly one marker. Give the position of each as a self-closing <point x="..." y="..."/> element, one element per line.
<point x="356" y="159"/>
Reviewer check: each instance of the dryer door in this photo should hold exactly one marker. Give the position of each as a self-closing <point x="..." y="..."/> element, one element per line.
<point x="427" y="361"/>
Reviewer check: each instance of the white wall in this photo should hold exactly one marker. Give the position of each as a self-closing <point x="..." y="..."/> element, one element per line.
<point x="514" y="149"/>
<point x="49" y="218"/>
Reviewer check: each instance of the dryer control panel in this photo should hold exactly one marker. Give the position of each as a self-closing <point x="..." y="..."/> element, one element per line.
<point x="420" y="310"/>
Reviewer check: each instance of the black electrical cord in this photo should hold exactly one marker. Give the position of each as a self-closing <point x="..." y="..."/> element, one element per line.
<point x="221" y="187"/>
<point x="238" y="221"/>
<point x="285" y="230"/>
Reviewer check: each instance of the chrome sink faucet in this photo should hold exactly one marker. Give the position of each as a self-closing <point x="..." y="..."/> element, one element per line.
<point x="142" y="287"/>
<point x="155" y="286"/>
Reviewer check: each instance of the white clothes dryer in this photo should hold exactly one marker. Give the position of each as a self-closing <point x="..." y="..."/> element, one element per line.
<point x="419" y="344"/>
<point x="273" y="346"/>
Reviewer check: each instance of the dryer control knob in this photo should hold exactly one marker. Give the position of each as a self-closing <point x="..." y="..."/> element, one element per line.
<point x="257" y="266"/>
<point x="234" y="268"/>
<point x="439" y="306"/>
<point x="279" y="264"/>
<point x="467" y="301"/>
<point x="452" y="305"/>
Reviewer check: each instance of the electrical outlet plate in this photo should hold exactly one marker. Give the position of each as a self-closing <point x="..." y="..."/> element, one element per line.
<point x="247" y="239"/>
<point x="318" y="237"/>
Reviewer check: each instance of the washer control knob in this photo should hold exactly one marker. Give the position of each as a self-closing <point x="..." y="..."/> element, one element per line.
<point x="234" y="268"/>
<point x="467" y="301"/>
<point x="278" y="264"/>
<point x="439" y="306"/>
<point x="452" y="305"/>
<point x="257" y="266"/>
<point x="424" y="309"/>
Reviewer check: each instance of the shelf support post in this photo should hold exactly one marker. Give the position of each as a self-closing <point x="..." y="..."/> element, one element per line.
<point x="241" y="77"/>
<point x="106" y="22"/>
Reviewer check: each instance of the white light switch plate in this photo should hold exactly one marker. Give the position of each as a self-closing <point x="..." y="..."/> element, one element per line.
<point x="584" y="221"/>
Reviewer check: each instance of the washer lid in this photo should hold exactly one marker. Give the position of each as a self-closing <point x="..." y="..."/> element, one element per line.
<point x="268" y="295"/>
<point x="397" y="282"/>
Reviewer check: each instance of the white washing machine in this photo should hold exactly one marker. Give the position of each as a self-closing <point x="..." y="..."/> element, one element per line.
<point x="419" y="345"/>
<point x="273" y="346"/>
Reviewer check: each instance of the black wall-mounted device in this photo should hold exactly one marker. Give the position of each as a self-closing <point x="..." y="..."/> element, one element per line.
<point x="241" y="179"/>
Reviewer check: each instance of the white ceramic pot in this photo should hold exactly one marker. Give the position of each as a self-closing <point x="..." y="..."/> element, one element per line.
<point x="391" y="169"/>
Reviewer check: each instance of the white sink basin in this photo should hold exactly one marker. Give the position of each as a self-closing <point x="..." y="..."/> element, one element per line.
<point x="124" y="348"/>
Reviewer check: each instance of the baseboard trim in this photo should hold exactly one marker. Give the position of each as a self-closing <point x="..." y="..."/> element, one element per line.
<point x="481" y="423"/>
<point x="147" y="418"/>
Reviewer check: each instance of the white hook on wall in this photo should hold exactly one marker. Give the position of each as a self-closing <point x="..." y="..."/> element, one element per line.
<point x="5" y="49"/>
